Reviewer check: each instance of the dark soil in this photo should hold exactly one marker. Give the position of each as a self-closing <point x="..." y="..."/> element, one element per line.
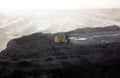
<point x="38" y="56"/>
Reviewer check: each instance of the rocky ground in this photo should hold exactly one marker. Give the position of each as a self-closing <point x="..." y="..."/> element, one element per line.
<point x="38" y="56"/>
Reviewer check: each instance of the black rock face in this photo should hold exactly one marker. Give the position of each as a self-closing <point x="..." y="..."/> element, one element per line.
<point x="38" y="56"/>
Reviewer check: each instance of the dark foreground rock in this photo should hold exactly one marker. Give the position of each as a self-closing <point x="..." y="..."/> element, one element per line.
<point x="38" y="56"/>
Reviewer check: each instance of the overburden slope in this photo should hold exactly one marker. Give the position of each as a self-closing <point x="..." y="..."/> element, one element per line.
<point x="38" y="56"/>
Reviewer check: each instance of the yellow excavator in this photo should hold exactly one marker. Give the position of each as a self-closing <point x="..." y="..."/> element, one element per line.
<point x="61" y="39"/>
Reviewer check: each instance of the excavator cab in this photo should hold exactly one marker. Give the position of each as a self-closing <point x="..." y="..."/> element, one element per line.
<point x="61" y="39"/>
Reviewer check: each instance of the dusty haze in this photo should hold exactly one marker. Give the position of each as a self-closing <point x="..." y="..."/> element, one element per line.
<point x="17" y="23"/>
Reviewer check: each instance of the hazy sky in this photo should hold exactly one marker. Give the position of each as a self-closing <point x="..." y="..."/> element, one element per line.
<point x="58" y="4"/>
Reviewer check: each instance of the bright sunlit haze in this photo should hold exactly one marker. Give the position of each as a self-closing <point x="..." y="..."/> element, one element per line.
<point x="23" y="17"/>
<point x="58" y="4"/>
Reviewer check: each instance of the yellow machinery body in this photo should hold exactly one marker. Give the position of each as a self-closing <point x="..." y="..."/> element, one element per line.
<point x="60" y="39"/>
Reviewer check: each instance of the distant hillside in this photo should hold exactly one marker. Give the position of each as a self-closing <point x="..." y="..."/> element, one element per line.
<point x="91" y="30"/>
<point x="97" y="29"/>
